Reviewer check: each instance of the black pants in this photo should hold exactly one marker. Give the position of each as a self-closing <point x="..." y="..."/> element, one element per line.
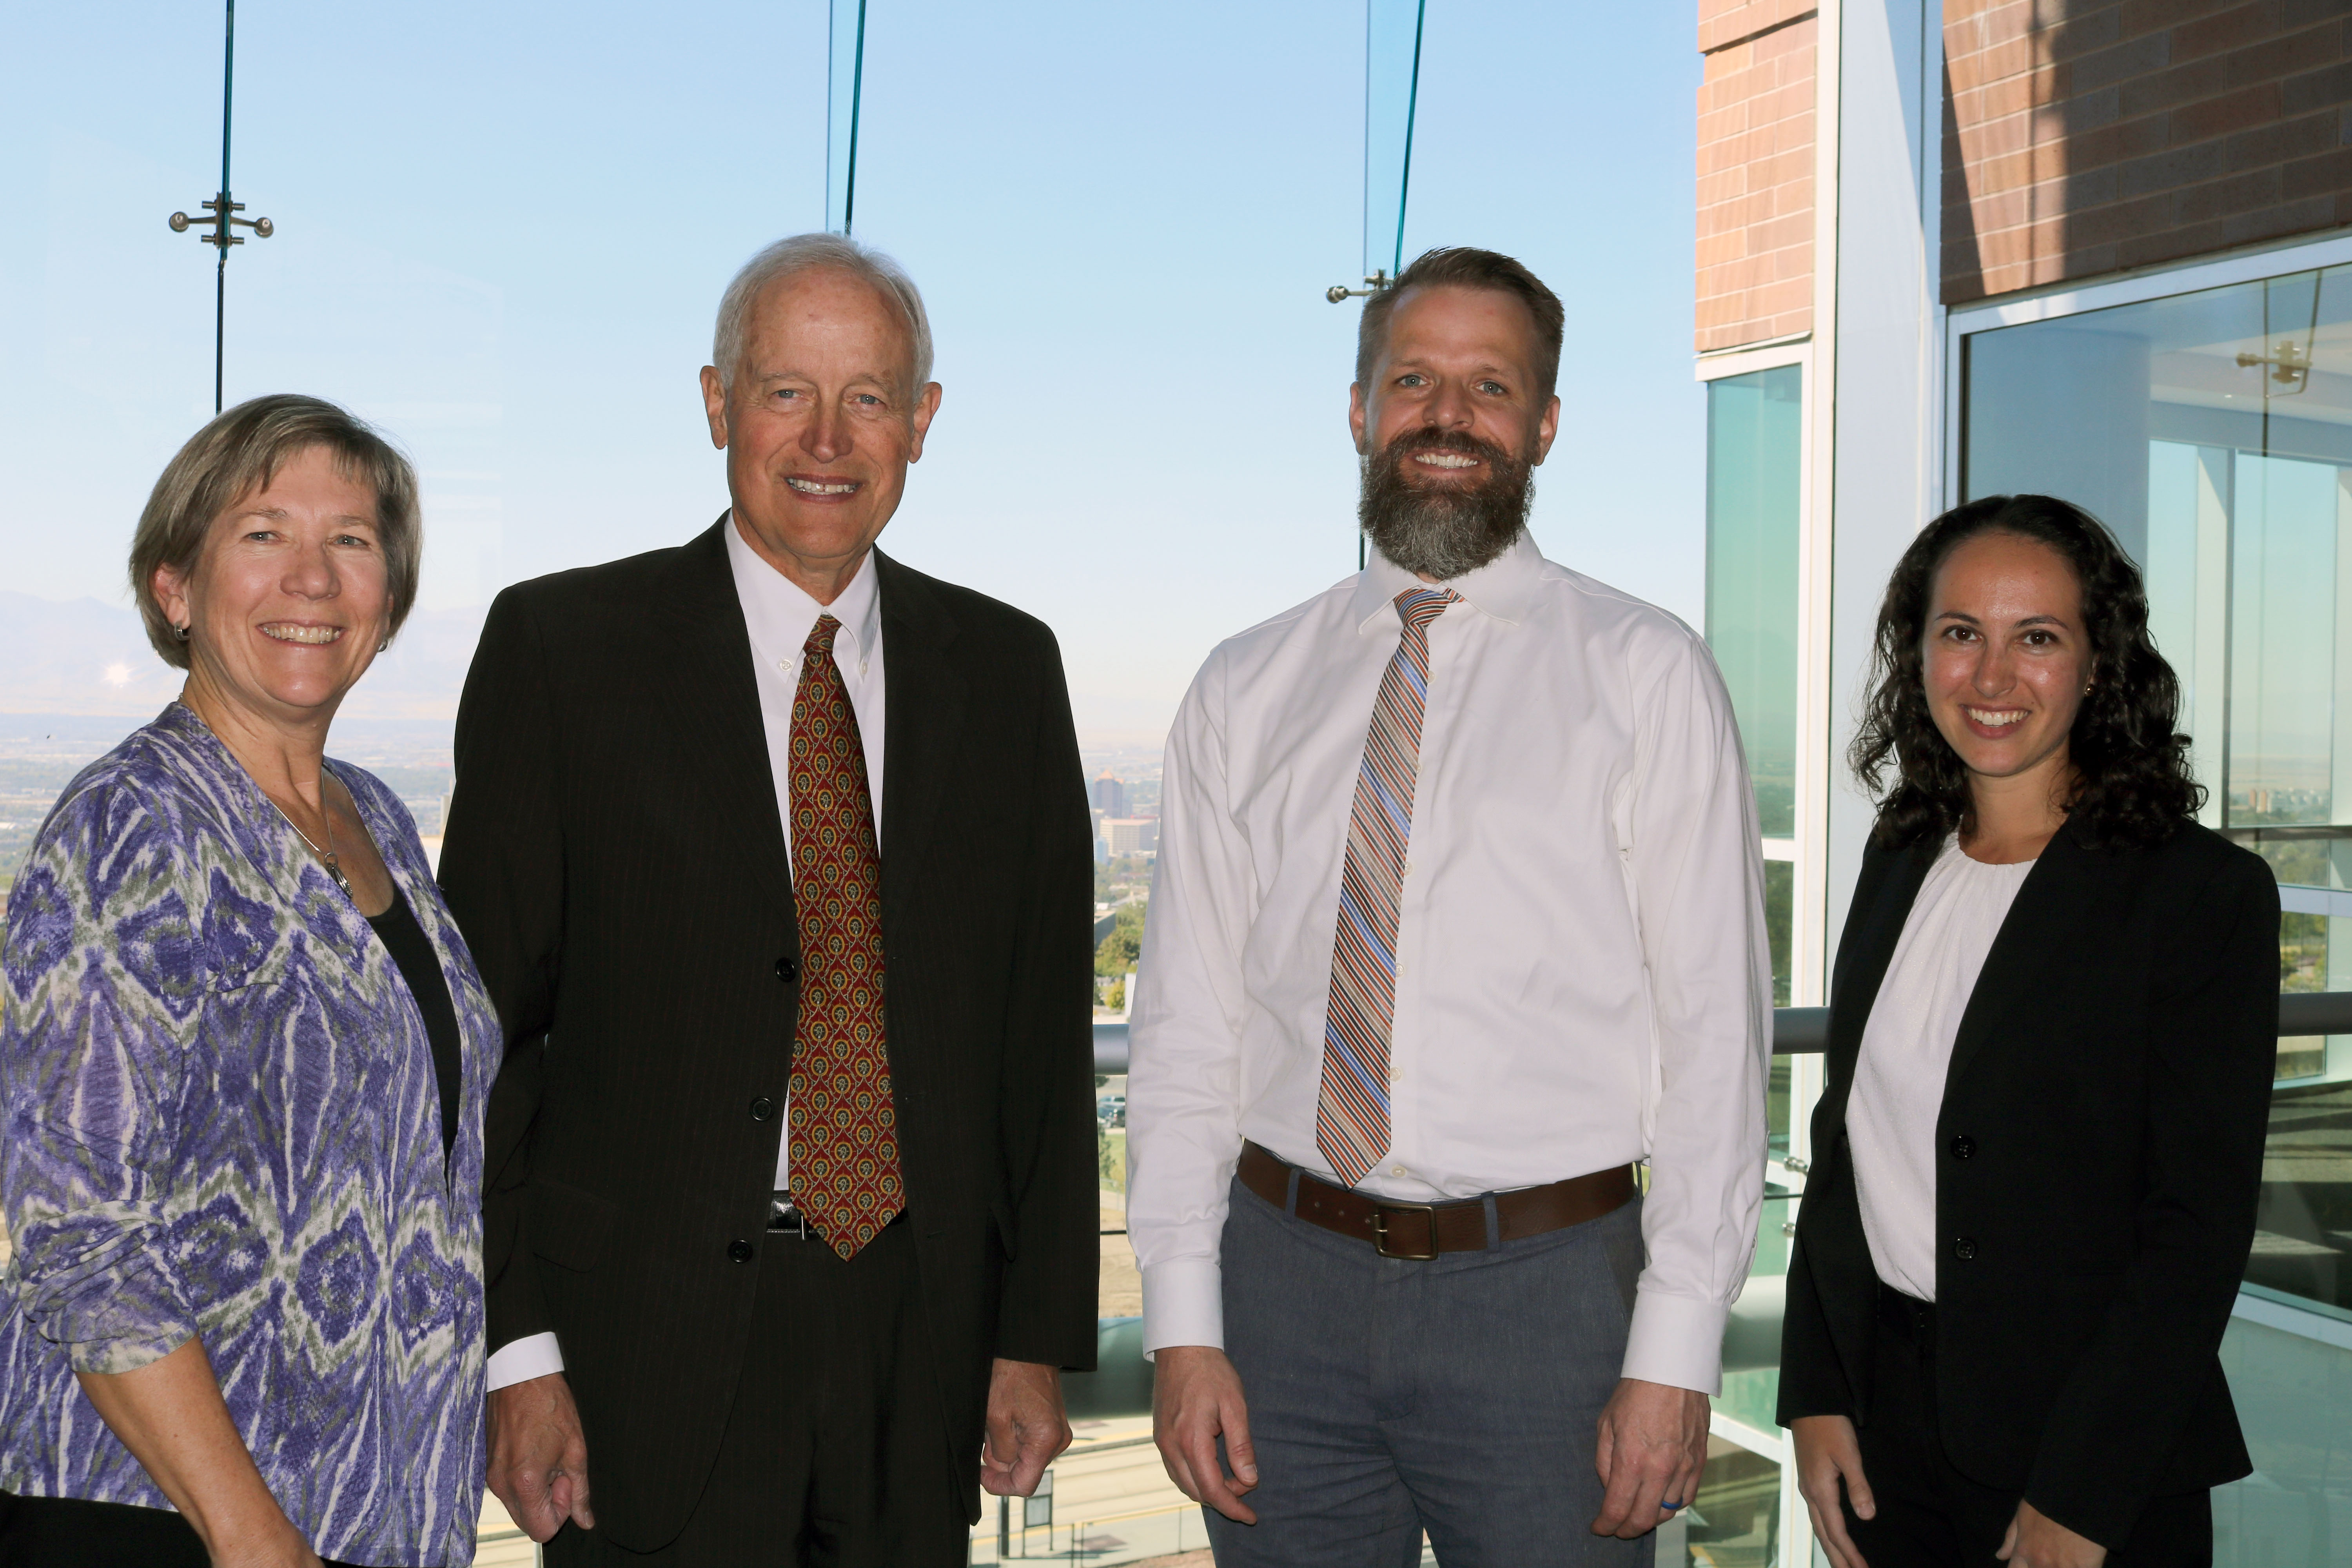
<point x="836" y="1452"/>
<point x="1930" y="1515"/>
<point x="68" y="1532"/>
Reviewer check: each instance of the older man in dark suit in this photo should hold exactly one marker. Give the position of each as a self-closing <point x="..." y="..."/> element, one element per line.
<point x="793" y="1165"/>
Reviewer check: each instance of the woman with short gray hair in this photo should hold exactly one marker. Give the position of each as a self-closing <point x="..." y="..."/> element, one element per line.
<point x="243" y="1054"/>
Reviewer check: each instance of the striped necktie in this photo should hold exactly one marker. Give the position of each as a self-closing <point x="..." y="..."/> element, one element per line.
<point x="1351" y="1117"/>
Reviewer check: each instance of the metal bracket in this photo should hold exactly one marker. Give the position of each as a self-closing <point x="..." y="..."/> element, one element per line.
<point x="1373" y="284"/>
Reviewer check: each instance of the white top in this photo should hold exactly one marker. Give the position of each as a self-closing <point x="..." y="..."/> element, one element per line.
<point x="1582" y="978"/>
<point x="1906" y="1046"/>
<point x="779" y="614"/>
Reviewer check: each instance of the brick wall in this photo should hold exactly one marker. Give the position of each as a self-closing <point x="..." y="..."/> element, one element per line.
<point x="1755" y="171"/>
<point x="2085" y="136"/>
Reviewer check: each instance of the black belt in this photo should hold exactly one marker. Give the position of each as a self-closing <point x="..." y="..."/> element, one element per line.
<point x="785" y="1216"/>
<point x="1907" y="1317"/>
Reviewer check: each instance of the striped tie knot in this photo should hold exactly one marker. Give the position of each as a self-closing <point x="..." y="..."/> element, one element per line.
<point x="1419" y="606"/>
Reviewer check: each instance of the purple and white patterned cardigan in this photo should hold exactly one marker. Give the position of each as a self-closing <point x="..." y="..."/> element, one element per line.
<point x="222" y="1121"/>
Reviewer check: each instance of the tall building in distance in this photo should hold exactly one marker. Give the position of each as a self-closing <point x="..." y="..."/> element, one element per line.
<point x="1109" y="794"/>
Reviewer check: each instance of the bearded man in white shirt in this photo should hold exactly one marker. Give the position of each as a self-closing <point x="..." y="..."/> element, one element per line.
<point x="1416" y="997"/>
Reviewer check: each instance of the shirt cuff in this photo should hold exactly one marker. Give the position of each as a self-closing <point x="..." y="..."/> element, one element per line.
<point x="1677" y="1341"/>
<point x="520" y="1361"/>
<point x="1183" y="1304"/>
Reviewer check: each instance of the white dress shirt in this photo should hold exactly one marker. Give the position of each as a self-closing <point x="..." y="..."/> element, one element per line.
<point x="1583" y="977"/>
<point x="1906" y="1051"/>
<point x="778" y="614"/>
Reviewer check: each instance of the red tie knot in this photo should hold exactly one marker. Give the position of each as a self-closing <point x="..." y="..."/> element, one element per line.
<point x="820" y="641"/>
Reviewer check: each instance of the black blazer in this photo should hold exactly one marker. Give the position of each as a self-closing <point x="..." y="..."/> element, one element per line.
<point x="615" y="860"/>
<point x="2099" y="1151"/>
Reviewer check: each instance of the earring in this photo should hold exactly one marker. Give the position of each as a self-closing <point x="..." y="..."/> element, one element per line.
<point x="383" y="645"/>
<point x="180" y="631"/>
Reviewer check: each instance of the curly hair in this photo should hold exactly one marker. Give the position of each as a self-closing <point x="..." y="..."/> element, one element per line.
<point x="2133" y="787"/>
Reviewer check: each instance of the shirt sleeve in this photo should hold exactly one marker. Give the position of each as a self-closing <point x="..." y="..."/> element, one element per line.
<point x="1184" y="1122"/>
<point x="533" y="1355"/>
<point x="1692" y="855"/>
<point x="105" y="975"/>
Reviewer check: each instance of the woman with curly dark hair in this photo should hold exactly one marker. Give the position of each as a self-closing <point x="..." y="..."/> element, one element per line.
<point x="2052" y="1031"/>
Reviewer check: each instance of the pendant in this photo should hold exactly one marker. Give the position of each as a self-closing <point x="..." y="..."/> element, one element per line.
<point x="336" y="871"/>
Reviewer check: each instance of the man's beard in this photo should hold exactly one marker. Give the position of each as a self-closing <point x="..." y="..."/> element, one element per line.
<point x="1443" y="531"/>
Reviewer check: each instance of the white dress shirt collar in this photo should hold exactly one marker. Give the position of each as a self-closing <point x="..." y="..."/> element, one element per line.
<point x="1502" y="590"/>
<point x="780" y="614"/>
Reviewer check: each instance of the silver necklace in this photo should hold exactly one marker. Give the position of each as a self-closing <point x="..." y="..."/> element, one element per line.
<point x="327" y="856"/>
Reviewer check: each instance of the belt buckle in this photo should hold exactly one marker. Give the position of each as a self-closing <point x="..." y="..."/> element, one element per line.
<point x="1380" y="1230"/>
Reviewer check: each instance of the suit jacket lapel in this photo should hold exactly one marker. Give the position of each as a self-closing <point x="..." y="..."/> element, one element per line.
<point x="1863" y="969"/>
<point x="2039" y="934"/>
<point x="714" y="702"/>
<point x="924" y="717"/>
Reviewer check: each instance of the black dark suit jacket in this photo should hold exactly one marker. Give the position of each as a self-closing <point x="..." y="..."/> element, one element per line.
<point x="2097" y="1160"/>
<point x="615" y="860"/>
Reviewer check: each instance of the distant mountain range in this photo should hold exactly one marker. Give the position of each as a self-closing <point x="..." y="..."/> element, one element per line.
<point x="88" y="656"/>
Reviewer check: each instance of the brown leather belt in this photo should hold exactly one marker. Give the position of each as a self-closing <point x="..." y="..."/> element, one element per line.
<point x="1422" y="1231"/>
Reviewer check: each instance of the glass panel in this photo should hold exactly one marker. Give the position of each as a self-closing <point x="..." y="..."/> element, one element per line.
<point x="2281" y="648"/>
<point x="845" y="93"/>
<point x="1391" y="88"/>
<point x="1775" y="1107"/>
<point x="2213" y="431"/>
<point x="1735" y="1521"/>
<point x="1121" y="1291"/>
<point x="1753" y="460"/>
<point x="2295" y="1399"/>
<point x="1751" y="1337"/>
<point x="2189" y="543"/>
<point x="1779" y="896"/>
<point x="2303" y="1228"/>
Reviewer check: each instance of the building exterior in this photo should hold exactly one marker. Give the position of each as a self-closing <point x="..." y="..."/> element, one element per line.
<point x="2101" y="249"/>
<point x="1130" y="835"/>
<point x="1109" y="794"/>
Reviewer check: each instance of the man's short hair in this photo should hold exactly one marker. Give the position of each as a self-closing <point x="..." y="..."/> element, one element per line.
<point x="805" y="253"/>
<point x="236" y="456"/>
<point x="1465" y="266"/>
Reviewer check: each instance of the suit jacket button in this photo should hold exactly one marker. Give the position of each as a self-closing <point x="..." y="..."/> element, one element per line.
<point x="787" y="970"/>
<point x="762" y="1107"/>
<point x="1964" y="1247"/>
<point x="1963" y="1147"/>
<point x="738" y="1250"/>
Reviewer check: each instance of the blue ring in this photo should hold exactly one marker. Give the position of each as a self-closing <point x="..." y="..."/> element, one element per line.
<point x="1671" y="1506"/>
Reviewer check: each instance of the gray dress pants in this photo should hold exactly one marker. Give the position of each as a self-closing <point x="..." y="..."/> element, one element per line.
<point x="1457" y="1396"/>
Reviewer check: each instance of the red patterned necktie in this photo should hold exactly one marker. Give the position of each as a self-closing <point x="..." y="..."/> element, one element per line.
<point x="845" y="1130"/>
<point x="1351" y="1115"/>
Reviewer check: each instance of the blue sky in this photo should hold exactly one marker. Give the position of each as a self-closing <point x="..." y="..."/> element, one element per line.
<point x="502" y="230"/>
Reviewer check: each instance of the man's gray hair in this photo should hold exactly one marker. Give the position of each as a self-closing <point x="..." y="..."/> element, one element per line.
<point x="804" y="253"/>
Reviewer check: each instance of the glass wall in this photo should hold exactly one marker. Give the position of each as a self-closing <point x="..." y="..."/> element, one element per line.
<point x="2212" y="432"/>
<point x="1755" y="454"/>
<point x="2293" y="1394"/>
<point x="1754" y="457"/>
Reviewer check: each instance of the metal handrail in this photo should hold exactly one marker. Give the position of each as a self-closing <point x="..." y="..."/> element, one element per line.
<point x="1804" y="1031"/>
